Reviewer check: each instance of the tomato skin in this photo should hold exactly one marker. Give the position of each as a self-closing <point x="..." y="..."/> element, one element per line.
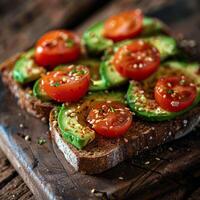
<point x="111" y="119"/>
<point x="124" y="25"/>
<point x="174" y="93"/>
<point x="53" y="49"/>
<point x="137" y="60"/>
<point x="63" y="86"/>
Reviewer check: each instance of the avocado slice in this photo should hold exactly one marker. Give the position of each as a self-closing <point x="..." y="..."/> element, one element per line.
<point x="39" y="92"/>
<point x="96" y="82"/>
<point x="96" y="43"/>
<point x="72" y="122"/>
<point x="25" y="69"/>
<point x="140" y="94"/>
<point x="165" y="45"/>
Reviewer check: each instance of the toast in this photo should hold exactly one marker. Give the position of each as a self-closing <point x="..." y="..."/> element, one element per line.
<point x="24" y="95"/>
<point x="104" y="153"/>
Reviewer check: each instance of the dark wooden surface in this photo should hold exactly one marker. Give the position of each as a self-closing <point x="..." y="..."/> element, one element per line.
<point x="170" y="172"/>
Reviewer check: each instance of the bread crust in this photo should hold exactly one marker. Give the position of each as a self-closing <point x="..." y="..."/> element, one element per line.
<point x="24" y="95"/>
<point x="103" y="153"/>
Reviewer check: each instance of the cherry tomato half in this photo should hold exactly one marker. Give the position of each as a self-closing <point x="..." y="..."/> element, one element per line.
<point x="111" y="119"/>
<point x="124" y="25"/>
<point x="57" y="47"/>
<point x="137" y="60"/>
<point x="174" y="93"/>
<point x="67" y="85"/>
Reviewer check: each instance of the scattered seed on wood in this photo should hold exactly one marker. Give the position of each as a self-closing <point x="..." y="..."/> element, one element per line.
<point x="27" y="138"/>
<point x="170" y="149"/>
<point x="147" y="163"/>
<point x="93" y="191"/>
<point x="41" y="141"/>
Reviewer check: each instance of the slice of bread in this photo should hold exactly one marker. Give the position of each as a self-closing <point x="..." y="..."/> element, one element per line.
<point x="104" y="153"/>
<point x="24" y="95"/>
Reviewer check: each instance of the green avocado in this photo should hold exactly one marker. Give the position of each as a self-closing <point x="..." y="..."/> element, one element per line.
<point x="93" y="65"/>
<point x="72" y="120"/>
<point x="165" y="44"/>
<point x="26" y="70"/>
<point x="97" y="44"/>
<point x="39" y="92"/>
<point x="140" y="95"/>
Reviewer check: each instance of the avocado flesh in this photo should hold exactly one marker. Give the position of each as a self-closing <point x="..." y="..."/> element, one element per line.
<point x="72" y="123"/>
<point x="39" y="93"/>
<point x="96" y="82"/>
<point x="165" y="45"/>
<point x="144" y="104"/>
<point x="96" y="43"/>
<point x="93" y="64"/>
<point x="26" y="70"/>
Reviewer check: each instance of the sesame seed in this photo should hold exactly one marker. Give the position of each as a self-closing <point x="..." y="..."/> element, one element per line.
<point x="21" y="125"/>
<point x="93" y="191"/>
<point x="125" y="140"/>
<point x="170" y="149"/>
<point x="27" y="138"/>
<point x="157" y="158"/>
<point x="175" y="103"/>
<point x="147" y="163"/>
<point x="185" y="122"/>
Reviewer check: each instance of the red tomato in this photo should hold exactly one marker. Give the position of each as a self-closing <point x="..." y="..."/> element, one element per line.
<point x="137" y="60"/>
<point x="124" y="25"/>
<point x="67" y="85"/>
<point x="110" y="119"/>
<point x="175" y="93"/>
<point x="57" y="47"/>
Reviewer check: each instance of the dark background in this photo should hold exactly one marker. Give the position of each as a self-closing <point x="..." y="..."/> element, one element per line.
<point x="23" y="21"/>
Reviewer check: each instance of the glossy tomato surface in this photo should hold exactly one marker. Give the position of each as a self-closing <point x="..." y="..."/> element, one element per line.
<point x="111" y="119"/>
<point x="137" y="60"/>
<point x="57" y="47"/>
<point x="124" y="25"/>
<point x="67" y="85"/>
<point x="174" y="93"/>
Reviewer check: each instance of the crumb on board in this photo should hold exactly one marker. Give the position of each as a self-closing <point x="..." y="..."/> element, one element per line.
<point x="93" y="190"/>
<point x="147" y="163"/>
<point x="170" y="149"/>
<point x="21" y="125"/>
<point x="41" y="141"/>
<point x="27" y="138"/>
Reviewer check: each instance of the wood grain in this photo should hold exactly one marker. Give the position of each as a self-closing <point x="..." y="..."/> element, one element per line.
<point x="11" y="184"/>
<point x="170" y="172"/>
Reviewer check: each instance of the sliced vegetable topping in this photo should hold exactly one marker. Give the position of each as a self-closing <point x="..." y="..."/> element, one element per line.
<point x="78" y="134"/>
<point x="140" y="95"/>
<point x="175" y="93"/>
<point x="110" y="119"/>
<point x="57" y="47"/>
<point x="137" y="60"/>
<point x="25" y="69"/>
<point x="39" y="92"/>
<point x="67" y="85"/>
<point x="124" y="25"/>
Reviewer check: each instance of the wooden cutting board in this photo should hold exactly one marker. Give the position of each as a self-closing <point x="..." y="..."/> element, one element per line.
<point x="148" y="176"/>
